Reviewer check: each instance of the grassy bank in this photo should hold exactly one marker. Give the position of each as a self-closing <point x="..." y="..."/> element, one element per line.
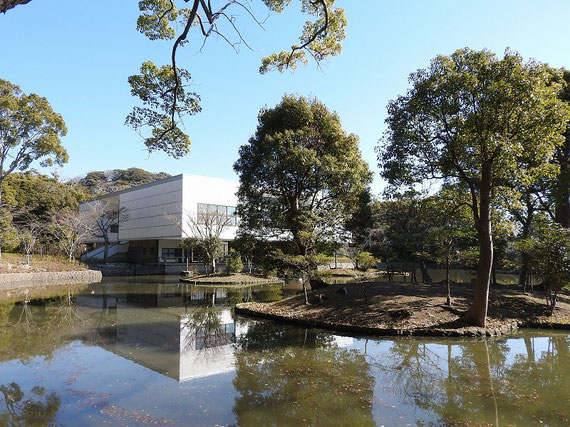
<point x="405" y="308"/>
<point x="237" y="279"/>
<point x="16" y="263"/>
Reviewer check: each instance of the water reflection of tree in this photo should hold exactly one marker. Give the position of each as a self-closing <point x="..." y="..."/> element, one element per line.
<point x="476" y="385"/>
<point x="293" y="376"/>
<point x="203" y="329"/>
<point x="37" y="327"/>
<point x="40" y="409"/>
<point x="539" y="389"/>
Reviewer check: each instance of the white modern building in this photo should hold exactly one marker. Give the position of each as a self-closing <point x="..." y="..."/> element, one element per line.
<point x="157" y="216"/>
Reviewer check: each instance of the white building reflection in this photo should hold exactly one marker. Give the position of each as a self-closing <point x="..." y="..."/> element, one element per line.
<point x="181" y="333"/>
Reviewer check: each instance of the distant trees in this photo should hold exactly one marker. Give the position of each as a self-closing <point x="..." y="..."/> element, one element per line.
<point x="473" y="119"/>
<point x="548" y="252"/>
<point x="103" y="182"/>
<point x="234" y="263"/>
<point x="29" y="131"/>
<point x="70" y="229"/>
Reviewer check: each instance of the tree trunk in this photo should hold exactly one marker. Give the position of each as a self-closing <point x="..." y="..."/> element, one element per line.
<point x="304" y="281"/>
<point x="426" y="278"/>
<point x="106" y="250"/>
<point x="524" y="270"/>
<point x="0" y="218"/>
<point x="414" y="278"/>
<point x="447" y="279"/>
<point x="562" y="192"/>
<point x="523" y="273"/>
<point x="478" y="311"/>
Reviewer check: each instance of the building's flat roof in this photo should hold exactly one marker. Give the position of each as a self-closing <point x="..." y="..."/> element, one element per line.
<point x="157" y="182"/>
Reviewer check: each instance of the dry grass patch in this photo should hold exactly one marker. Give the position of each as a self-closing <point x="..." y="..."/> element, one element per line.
<point x="16" y="263"/>
<point x="413" y="306"/>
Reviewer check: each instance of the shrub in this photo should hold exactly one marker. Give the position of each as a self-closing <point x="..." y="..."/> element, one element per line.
<point x="365" y="260"/>
<point x="234" y="263"/>
<point x="549" y="254"/>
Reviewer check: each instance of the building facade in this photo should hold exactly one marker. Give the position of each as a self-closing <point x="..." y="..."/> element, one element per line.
<point x="154" y="218"/>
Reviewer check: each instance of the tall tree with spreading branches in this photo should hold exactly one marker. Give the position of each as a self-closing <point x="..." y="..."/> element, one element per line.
<point x="29" y="131"/>
<point x="300" y="174"/>
<point x="473" y="119"/>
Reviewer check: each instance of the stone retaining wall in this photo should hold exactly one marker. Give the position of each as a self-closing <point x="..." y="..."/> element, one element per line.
<point x="32" y="280"/>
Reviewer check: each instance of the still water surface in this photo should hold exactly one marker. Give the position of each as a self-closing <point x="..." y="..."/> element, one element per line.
<point x="153" y="352"/>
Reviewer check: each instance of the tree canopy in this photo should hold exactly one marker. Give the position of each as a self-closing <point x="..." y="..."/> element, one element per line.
<point x="29" y="131"/>
<point x="162" y="89"/>
<point x="482" y="122"/>
<point x="300" y="174"/>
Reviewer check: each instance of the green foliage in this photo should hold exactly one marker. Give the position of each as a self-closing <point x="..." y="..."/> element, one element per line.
<point x="471" y="110"/>
<point x="207" y="249"/>
<point x="163" y="90"/>
<point x="451" y="235"/>
<point x="320" y="38"/>
<point x="39" y="196"/>
<point x="300" y="173"/>
<point x="548" y="251"/>
<point x="365" y="261"/>
<point x="102" y="182"/>
<point x="163" y="93"/>
<point x="234" y="263"/>
<point x="29" y="130"/>
<point x="8" y="233"/>
<point x="489" y="125"/>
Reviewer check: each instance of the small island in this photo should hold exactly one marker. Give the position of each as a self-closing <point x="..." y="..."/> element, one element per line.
<point x="399" y="308"/>
<point x="233" y="279"/>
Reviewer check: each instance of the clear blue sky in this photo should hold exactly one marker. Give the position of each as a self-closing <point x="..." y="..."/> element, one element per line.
<point x="78" y="54"/>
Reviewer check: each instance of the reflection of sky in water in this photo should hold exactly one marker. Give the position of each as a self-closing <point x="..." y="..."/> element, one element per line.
<point x="166" y="356"/>
<point x="122" y="390"/>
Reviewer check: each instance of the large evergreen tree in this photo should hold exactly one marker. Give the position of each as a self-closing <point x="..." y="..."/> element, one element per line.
<point x="301" y="175"/>
<point x="473" y="119"/>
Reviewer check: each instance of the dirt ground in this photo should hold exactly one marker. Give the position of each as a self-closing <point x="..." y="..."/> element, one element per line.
<point x="414" y="306"/>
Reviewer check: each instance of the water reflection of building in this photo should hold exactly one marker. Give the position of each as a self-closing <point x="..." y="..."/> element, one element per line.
<point x="182" y="334"/>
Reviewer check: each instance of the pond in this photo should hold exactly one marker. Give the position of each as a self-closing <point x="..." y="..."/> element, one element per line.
<point x="138" y="352"/>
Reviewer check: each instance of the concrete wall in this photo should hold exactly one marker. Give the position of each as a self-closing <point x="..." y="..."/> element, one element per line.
<point x="24" y="280"/>
<point x="154" y="210"/>
<point x="158" y="210"/>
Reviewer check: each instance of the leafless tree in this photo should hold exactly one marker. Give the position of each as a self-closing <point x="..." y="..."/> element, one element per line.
<point x="207" y="225"/>
<point x="207" y="222"/>
<point x="104" y="214"/>
<point x="28" y="231"/>
<point x="70" y="230"/>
